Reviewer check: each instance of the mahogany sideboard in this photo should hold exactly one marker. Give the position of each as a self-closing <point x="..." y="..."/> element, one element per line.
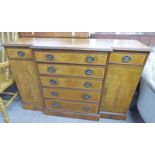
<point x="79" y="78"/>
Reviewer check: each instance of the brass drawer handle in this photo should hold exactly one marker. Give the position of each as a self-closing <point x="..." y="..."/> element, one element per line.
<point x="89" y="72"/>
<point x="87" y="84"/>
<point x="85" y="108"/>
<point x="90" y="59"/>
<point x="51" y="69"/>
<point x="53" y="82"/>
<point x="126" y="59"/>
<point x="21" y="53"/>
<point x="54" y="94"/>
<point x="86" y="97"/>
<point x="49" y="57"/>
<point x="56" y="105"/>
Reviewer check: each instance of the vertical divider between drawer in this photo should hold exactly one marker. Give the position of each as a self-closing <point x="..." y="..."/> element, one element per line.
<point x="103" y="81"/>
<point x="43" y="100"/>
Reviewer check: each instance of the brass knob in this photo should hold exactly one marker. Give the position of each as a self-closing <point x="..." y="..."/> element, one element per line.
<point x="87" y="84"/>
<point x="54" y="94"/>
<point x="49" y="57"/>
<point x="90" y="59"/>
<point x="126" y="59"/>
<point x="85" y="108"/>
<point x="53" y="82"/>
<point x="21" y="53"/>
<point x="86" y="97"/>
<point x="56" y="105"/>
<point x="51" y="69"/>
<point x="89" y="72"/>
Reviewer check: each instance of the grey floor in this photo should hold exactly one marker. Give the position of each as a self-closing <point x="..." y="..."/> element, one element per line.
<point x="18" y="115"/>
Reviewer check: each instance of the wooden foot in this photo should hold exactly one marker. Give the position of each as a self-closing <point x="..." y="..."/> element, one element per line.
<point x="4" y="113"/>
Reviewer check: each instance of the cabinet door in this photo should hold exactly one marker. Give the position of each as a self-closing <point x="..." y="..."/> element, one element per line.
<point x="25" y="75"/>
<point x="120" y="85"/>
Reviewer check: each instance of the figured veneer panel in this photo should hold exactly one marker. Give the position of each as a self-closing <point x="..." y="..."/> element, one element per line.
<point x="69" y="82"/>
<point x="20" y="53"/>
<point x="127" y="58"/>
<point x="71" y="70"/>
<point x="26" y="77"/>
<point x="71" y="106"/>
<point x="77" y="95"/>
<point x="120" y="85"/>
<point x="71" y="57"/>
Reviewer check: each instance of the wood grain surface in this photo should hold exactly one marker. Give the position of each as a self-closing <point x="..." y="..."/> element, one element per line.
<point x="72" y="94"/>
<point x="70" y="82"/>
<point x="71" y="70"/>
<point x="26" y="77"/>
<point x="71" y="57"/>
<point x="71" y="106"/>
<point x="120" y="83"/>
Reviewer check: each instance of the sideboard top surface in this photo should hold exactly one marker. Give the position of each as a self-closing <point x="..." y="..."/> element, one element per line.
<point x="79" y="44"/>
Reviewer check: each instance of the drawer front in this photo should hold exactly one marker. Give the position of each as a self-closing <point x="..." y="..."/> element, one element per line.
<point x="127" y="58"/>
<point x="89" y="96"/>
<point x="71" y="106"/>
<point x="71" y="83"/>
<point x="71" y="70"/>
<point x="19" y="53"/>
<point x="73" y="58"/>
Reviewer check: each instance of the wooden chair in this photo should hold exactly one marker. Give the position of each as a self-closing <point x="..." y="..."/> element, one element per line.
<point x="6" y="81"/>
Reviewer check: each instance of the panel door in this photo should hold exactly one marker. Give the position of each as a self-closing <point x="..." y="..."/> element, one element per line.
<point x="26" y="77"/>
<point x="119" y="86"/>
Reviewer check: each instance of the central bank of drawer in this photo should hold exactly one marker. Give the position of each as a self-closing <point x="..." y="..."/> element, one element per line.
<point x="71" y="57"/>
<point x="71" y="70"/>
<point x="68" y="94"/>
<point x="71" y="106"/>
<point x="69" y="82"/>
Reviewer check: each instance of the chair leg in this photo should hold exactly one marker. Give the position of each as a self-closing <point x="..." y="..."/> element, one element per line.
<point x="4" y="113"/>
